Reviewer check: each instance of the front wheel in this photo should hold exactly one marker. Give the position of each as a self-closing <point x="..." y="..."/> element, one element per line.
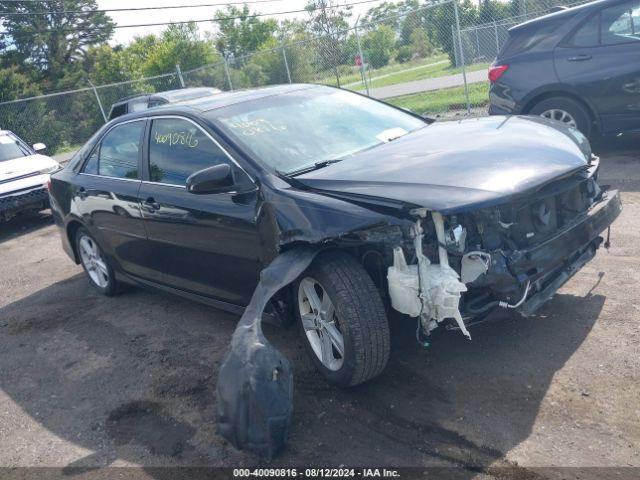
<point x="343" y="320"/>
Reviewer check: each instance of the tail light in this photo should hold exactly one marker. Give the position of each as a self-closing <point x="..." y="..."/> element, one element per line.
<point x="496" y="71"/>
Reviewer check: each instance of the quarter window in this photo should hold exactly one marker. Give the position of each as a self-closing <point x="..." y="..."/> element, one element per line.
<point x="117" y="153"/>
<point x="178" y="148"/>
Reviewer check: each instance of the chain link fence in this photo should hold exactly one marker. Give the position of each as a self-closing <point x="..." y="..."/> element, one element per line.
<point x="431" y="60"/>
<point x="64" y="121"/>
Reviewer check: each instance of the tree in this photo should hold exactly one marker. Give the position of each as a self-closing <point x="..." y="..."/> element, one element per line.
<point x="329" y="22"/>
<point x="53" y="43"/>
<point x="379" y="45"/>
<point x="241" y="36"/>
<point x="444" y="19"/>
<point x="389" y="13"/>
<point x="179" y="44"/>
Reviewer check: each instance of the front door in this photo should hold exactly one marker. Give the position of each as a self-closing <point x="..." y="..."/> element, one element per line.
<point x="205" y="244"/>
<point x="601" y="61"/>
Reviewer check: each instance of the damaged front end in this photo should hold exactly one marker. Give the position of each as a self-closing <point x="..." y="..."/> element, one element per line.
<point x="514" y="255"/>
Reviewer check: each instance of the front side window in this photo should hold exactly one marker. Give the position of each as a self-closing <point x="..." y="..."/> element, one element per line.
<point x="621" y="23"/>
<point x="178" y="148"/>
<point x="11" y="149"/>
<point x="302" y="128"/>
<point x="117" y="154"/>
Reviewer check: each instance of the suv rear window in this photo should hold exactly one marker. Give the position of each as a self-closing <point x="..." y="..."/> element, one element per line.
<point x="523" y="39"/>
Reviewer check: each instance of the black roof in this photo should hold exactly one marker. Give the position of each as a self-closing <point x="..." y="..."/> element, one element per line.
<point x="176" y="95"/>
<point x="566" y="13"/>
<point x="223" y="99"/>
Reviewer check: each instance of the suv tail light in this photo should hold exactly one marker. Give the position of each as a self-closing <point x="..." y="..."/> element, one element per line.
<point x="496" y="71"/>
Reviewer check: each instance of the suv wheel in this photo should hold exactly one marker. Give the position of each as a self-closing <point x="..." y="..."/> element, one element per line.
<point x="565" y="110"/>
<point x="95" y="264"/>
<point x="343" y="320"/>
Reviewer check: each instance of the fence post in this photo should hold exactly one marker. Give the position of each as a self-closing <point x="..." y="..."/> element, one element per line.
<point x="454" y="43"/>
<point x="286" y="63"/>
<point x="464" y="70"/>
<point x="495" y="29"/>
<point x="179" y="72"/>
<point x="226" y="70"/>
<point x="95" y="91"/>
<point x="363" y="72"/>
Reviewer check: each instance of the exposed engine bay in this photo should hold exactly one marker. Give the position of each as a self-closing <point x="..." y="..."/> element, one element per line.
<point x="457" y="268"/>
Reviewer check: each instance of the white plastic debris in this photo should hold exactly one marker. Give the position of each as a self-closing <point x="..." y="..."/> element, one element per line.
<point x="404" y="285"/>
<point x="473" y="265"/>
<point x="427" y="290"/>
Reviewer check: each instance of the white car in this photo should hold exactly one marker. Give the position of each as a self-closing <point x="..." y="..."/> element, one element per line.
<point x="24" y="175"/>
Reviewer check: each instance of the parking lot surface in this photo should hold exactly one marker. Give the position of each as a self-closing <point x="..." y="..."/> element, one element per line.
<point x="90" y="381"/>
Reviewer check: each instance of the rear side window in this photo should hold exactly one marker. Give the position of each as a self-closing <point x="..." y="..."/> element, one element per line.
<point x="178" y="148"/>
<point x="521" y="40"/>
<point x="117" y="154"/>
<point x="588" y="35"/>
<point x="621" y="23"/>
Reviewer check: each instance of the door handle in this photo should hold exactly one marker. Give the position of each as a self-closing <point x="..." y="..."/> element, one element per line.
<point x="151" y="204"/>
<point x="579" y="58"/>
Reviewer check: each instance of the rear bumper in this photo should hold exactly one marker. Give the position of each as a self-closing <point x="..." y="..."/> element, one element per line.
<point x="27" y="199"/>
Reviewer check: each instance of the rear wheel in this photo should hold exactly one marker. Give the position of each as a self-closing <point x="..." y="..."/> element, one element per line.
<point x="343" y="320"/>
<point x="95" y="264"/>
<point x="566" y="111"/>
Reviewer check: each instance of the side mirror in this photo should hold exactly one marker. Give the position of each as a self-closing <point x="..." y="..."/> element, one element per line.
<point x="39" y="146"/>
<point x="216" y="179"/>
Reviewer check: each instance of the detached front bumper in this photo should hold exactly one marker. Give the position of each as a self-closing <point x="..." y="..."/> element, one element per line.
<point x="26" y="199"/>
<point x="549" y="265"/>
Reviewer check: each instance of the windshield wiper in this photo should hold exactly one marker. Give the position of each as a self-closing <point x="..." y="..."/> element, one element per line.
<point x="311" y="168"/>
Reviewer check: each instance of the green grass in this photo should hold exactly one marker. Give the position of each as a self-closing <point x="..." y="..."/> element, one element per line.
<point x="440" y="101"/>
<point x="65" y="148"/>
<point x="433" y="71"/>
<point x="328" y="77"/>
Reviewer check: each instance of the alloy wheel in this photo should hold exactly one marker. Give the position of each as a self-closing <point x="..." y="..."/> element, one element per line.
<point x="561" y="116"/>
<point x="93" y="261"/>
<point x="320" y="323"/>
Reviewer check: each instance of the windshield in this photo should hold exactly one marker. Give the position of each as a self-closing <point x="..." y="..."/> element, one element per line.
<point x="305" y="128"/>
<point x="10" y="148"/>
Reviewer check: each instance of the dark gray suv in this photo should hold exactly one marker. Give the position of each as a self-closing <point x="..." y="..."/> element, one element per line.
<point x="579" y="66"/>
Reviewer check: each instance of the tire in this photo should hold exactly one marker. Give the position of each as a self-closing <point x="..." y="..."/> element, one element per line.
<point x="96" y="266"/>
<point x="562" y="109"/>
<point x="360" y="319"/>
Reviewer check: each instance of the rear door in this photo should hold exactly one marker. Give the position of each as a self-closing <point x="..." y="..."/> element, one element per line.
<point x="106" y="195"/>
<point x="601" y="61"/>
<point x="204" y="244"/>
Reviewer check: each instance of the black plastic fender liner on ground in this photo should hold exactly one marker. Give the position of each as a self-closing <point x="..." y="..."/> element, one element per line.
<point x="255" y="382"/>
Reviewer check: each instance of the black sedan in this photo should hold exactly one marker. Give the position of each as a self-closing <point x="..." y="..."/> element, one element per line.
<point x="442" y="222"/>
<point x="579" y="66"/>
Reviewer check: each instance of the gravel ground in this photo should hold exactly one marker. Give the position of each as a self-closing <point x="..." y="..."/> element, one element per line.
<point x="89" y="381"/>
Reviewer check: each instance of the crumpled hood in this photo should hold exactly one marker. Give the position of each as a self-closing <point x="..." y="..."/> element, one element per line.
<point x="450" y="166"/>
<point x="25" y="165"/>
